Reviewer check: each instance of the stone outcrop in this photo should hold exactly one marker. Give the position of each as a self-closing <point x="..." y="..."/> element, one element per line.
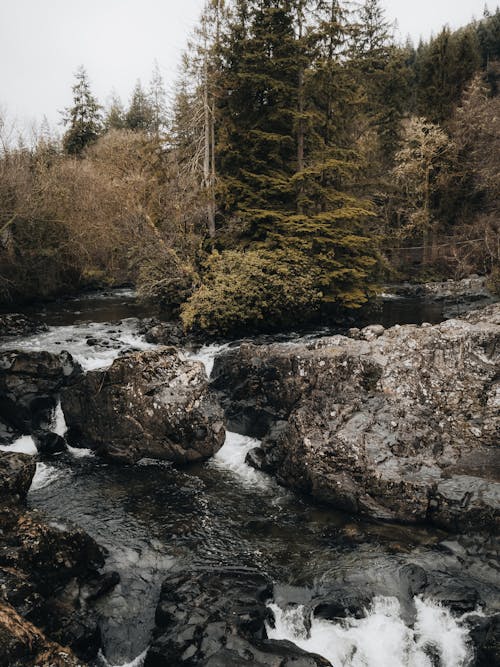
<point x="49" y="579"/>
<point x="399" y="425"/>
<point x="16" y="475"/>
<point x="24" y="645"/>
<point x="217" y="619"/>
<point x="30" y="383"/>
<point x="154" y="404"/>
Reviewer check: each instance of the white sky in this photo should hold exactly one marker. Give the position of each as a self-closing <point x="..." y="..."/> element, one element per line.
<point x="43" y="42"/>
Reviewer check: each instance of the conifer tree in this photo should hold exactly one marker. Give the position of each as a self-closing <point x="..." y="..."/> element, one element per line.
<point x="139" y="116"/>
<point x="158" y="102"/>
<point x="84" y="117"/>
<point x="115" y="114"/>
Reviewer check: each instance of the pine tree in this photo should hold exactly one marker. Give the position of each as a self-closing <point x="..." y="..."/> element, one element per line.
<point x="158" y="102"/>
<point x="139" y="116"/>
<point x="286" y="187"/>
<point x="381" y="68"/>
<point x="444" y="67"/>
<point x="84" y="117"/>
<point x="115" y="115"/>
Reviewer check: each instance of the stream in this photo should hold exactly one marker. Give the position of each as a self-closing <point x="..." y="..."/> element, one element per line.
<point x="152" y="517"/>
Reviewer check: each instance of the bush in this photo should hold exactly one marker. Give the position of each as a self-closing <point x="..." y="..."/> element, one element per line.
<point x="253" y="289"/>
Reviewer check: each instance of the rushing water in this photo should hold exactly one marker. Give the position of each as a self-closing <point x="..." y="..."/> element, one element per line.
<point x="152" y="517"/>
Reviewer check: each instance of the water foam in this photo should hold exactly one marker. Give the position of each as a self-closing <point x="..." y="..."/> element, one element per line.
<point x="232" y="457"/>
<point x="23" y="445"/>
<point x="108" y="342"/>
<point x="206" y="355"/>
<point x="381" y="638"/>
<point x="59" y="426"/>
<point x="44" y="476"/>
<point x="136" y="662"/>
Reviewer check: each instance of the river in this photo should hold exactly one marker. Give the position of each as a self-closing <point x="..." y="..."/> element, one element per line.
<point x="152" y="517"/>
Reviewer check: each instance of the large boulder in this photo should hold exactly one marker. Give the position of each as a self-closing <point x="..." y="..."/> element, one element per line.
<point x="217" y="619"/>
<point x="49" y="579"/>
<point x="16" y="475"/>
<point x="154" y="404"/>
<point x="29" y="386"/>
<point x="400" y="426"/>
<point x="24" y="645"/>
<point x="49" y="574"/>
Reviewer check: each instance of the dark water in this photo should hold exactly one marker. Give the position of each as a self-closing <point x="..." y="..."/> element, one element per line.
<point x="153" y="518"/>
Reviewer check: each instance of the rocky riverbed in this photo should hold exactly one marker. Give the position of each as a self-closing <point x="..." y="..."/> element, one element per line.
<point x="134" y="528"/>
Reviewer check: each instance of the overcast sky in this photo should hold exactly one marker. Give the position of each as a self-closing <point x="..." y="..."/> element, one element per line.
<point x="42" y="43"/>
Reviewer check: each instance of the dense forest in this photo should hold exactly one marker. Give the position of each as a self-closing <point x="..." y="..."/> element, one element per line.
<point x="306" y="158"/>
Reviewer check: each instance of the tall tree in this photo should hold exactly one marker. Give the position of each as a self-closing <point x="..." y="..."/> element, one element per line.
<point x="139" y="116"/>
<point x="425" y="157"/>
<point x="115" y="114"/>
<point x="158" y="102"/>
<point x="84" y="117"/>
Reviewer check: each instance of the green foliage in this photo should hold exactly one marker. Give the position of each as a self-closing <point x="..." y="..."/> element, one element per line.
<point x="256" y="289"/>
<point x="140" y="115"/>
<point x="84" y="117"/>
<point x="443" y="69"/>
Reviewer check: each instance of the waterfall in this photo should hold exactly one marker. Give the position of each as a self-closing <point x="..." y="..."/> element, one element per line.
<point x="381" y="638"/>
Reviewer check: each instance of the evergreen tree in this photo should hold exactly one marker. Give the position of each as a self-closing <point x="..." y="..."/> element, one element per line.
<point x="444" y="67"/>
<point x="115" y="115"/>
<point x="158" y="102"/>
<point x="140" y="115"/>
<point x="84" y="117"/>
<point x="283" y="195"/>
<point x="382" y="69"/>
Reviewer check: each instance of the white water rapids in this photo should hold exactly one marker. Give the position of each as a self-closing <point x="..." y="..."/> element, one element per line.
<point x="381" y="638"/>
<point x="94" y="345"/>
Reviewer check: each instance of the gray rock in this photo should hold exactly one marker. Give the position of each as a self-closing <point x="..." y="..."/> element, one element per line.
<point x="154" y="404"/>
<point x="30" y="383"/>
<point x="217" y="619"/>
<point x="16" y="474"/>
<point x="15" y="324"/>
<point x="402" y="427"/>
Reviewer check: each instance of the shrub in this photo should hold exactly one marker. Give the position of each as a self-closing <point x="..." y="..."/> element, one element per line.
<point x="253" y="289"/>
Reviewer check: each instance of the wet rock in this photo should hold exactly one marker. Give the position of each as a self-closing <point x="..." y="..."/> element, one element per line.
<point x="8" y="434"/>
<point x="16" y="474"/>
<point x="17" y="325"/>
<point x="154" y="404"/>
<point x="163" y="333"/>
<point x="24" y="645"/>
<point x="474" y="287"/>
<point x="485" y="633"/>
<point x="29" y="385"/>
<point x="218" y="618"/>
<point x="44" y="568"/>
<point x="404" y="426"/>
<point x="371" y="332"/>
<point x="49" y="443"/>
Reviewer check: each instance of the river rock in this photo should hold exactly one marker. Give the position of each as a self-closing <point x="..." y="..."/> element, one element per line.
<point x="162" y="333"/>
<point x="16" y="474"/>
<point x="154" y="404"/>
<point x="29" y="385"/>
<point x="472" y="288"/>
<point x="217" y="619"/>
<point x="404" y="426"/>
<point x="49" y="579"/>
<point x="17" y="325"/>
<point x="24" y="645"/>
